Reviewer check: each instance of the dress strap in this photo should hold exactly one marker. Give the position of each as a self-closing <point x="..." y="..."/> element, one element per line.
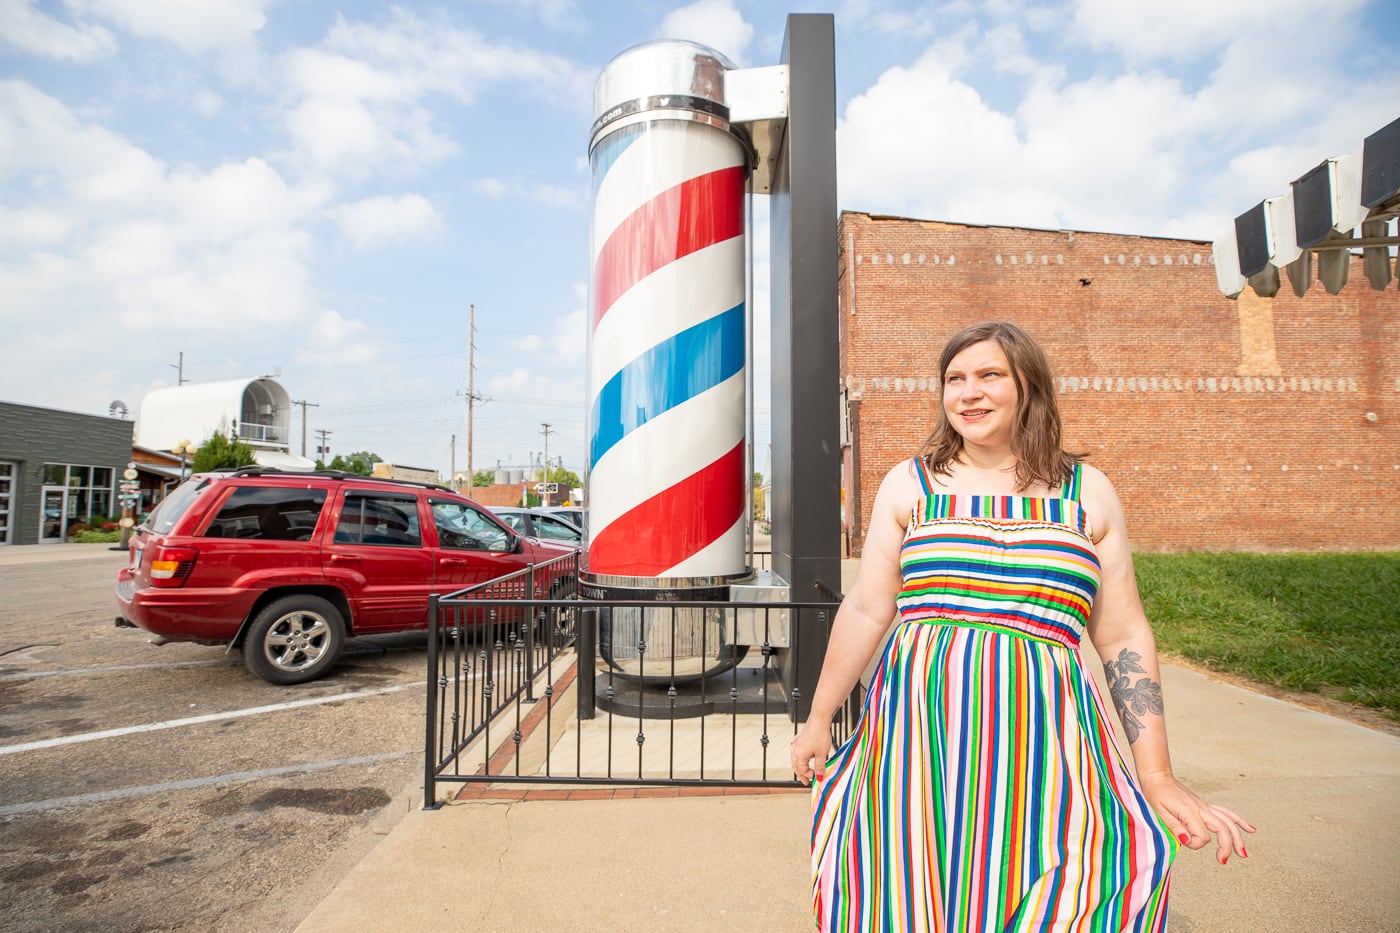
<point x="1072" y="489"/>
<point x="924" y="481"/>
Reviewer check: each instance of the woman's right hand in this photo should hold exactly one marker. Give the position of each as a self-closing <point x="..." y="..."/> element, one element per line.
<point x="811" y="749"/>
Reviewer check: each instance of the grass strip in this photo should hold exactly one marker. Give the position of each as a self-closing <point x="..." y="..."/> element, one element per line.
<point x="1316" y="623"/>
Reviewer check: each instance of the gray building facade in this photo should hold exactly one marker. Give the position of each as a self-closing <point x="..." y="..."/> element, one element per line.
<point x="57" y="468"/>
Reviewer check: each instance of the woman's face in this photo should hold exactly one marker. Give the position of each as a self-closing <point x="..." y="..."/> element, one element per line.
<point x="979" y="394"/>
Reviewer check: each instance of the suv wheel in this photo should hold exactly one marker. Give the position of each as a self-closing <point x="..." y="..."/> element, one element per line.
<point x="294" y="639"/>
<point x="565" y="619"/>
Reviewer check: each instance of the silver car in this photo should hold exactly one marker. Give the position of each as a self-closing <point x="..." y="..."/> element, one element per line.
<point x="541" y="524"/>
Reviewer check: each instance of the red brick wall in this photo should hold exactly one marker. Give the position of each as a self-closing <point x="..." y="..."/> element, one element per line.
<point x="1224" y="425"/>
<point x="501" y="494"/>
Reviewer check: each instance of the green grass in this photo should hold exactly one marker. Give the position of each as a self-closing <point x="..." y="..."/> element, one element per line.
<point x="1315" y="623"/>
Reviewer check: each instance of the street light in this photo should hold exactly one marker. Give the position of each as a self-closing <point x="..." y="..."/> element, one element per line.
<point x="183" y="447"/>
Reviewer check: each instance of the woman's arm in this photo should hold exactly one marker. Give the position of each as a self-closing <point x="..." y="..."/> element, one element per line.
<point x="860" y="623"/>
<point x="1123" y="637"/>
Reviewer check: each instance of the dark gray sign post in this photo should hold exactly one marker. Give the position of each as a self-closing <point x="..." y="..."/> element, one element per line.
<point x="806" y="493"/>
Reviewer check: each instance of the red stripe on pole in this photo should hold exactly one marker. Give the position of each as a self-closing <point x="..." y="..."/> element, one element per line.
<point x="697" y="213"/>
<point x="674" y="524"/>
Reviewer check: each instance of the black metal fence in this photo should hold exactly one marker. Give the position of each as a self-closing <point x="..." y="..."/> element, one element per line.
<point x="527" y="684"/>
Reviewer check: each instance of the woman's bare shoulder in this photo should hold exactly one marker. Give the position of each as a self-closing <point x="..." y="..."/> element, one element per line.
<point x="902" y="477"/>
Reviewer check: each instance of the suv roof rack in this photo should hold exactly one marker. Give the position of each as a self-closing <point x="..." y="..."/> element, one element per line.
<point x="332" y="474"/>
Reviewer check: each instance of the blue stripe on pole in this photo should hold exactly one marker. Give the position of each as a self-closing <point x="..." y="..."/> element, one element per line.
<point x="607" y="152"/>
<point x="672" y="372"/>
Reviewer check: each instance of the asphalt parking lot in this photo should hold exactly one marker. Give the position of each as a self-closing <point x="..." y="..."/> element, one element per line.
<point x="147" y="787"/>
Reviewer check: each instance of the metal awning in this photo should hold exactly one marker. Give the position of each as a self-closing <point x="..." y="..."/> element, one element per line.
<point x="281" y="460"/>
<point x="1320" y="217"/>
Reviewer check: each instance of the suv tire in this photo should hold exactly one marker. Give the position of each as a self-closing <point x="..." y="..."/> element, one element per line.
<point x="564" y="629"/>
<point x="294" y="639"/>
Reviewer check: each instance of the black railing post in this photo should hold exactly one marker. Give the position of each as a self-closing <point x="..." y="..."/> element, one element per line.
<point x="430" y="801"/>
<point x="587" y="636"/>
<point x="530" y="622"/>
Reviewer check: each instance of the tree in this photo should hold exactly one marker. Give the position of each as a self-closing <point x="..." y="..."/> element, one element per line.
<point x="759" y="502"/>
<point x="361" y="462"/>
<point x="484" y="478"/>
<point x="221" y="452"/>
<point x="567" y="479"/>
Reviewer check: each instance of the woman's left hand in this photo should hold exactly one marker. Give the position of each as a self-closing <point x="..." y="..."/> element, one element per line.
<point x="1195" y="821"/>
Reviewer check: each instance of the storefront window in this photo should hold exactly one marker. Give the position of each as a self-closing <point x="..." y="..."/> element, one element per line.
<point x="89" y="493"/>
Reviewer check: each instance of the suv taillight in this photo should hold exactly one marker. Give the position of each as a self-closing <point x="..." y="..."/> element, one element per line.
<point x="171" y="566"/>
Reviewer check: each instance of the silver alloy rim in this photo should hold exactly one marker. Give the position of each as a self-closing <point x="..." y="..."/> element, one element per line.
<point x="297" y="641"/>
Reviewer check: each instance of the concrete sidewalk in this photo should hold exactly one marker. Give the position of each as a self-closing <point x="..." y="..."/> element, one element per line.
<point x="1324" y="792"/>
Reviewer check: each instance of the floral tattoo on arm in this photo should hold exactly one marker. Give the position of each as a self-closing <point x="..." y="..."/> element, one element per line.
<point x="1132" y="699"/>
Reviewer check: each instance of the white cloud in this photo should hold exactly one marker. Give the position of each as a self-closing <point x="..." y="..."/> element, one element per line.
<point x="715" y="23"/>
<point x="33" y="228"/>
<point x="571" y="197"/>
<point x="126" y="249"/>
<point x="556" y="14"/>
<point x="206" y="103"/>
<point x="920" y="137"/>
<point x="383" y="219"/>
<point x="228" y="28"/>
<point x="491" y="187"/>
<point x="1122" y="150"/>
<point x="428" y="54"/>
<point x="334" y="342"/>
<point x="36" y="33"/>
<point x="1185" y="29"/>
<point x="919" y="22"/>
<point x="364" y="102"/>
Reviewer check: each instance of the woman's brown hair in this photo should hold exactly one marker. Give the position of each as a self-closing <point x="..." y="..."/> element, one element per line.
<point x="1035" y="440"/>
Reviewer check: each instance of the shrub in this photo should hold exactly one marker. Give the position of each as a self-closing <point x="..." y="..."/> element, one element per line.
<point x="90" y="536"/>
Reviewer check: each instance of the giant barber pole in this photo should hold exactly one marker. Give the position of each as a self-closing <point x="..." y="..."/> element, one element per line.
<point x="667" y="459"/>
<point x="681" y="142"/>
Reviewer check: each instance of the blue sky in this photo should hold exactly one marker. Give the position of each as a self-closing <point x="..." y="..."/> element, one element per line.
<point x="324" y="188"/>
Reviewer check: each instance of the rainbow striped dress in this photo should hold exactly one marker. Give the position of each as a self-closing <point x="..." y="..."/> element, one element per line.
<point x="982" y="789"/>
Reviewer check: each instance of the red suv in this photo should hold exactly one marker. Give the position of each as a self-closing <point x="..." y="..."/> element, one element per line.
<point x="286" y="566"/>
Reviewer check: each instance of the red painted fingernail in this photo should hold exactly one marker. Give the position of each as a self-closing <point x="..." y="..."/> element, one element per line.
<point x="1244" y="853"/>
<point x="1224" y="860"/>
<point x="1183" y="838"/>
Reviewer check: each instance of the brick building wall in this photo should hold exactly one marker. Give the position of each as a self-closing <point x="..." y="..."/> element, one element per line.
<point x="499" y="494"/>
<point x="1252" y="424"/>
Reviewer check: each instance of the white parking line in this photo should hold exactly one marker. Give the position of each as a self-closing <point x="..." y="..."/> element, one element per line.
<point x="232" y="662"/>
<point x="196" y="720"/>
<point x="120" y="793"/>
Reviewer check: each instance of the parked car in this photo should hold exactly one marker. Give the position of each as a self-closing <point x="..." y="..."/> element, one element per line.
<point x="541" y="523"/>
<point x="286" y="566"/>
<point x="573" y="514"/>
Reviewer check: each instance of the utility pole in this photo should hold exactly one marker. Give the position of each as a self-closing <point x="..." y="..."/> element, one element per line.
<point x="452" y="466"/>
<point x="180" y="369"/>
<point x="324" y="447"/>
<point x="471" y="391"/>
<point x="546" y="433"/>
<point x="304" y="406"/>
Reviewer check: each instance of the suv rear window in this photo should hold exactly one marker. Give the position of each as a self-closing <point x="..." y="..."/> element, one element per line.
<point x="168" y="511"/>
<point x="276" y="513"/>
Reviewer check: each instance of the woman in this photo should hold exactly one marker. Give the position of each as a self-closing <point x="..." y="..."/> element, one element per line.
<point x="982" y="789"/>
